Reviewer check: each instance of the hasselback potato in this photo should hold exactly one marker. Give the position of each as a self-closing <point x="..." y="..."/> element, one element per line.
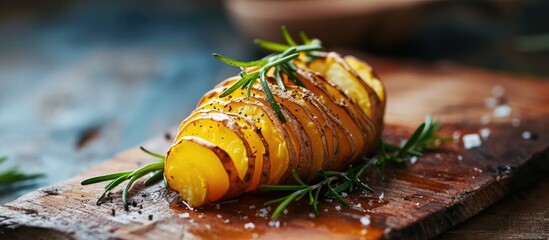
<point x="234" y="144"/>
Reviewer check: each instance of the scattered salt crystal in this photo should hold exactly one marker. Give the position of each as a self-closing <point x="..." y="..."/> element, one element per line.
<point x="338" y="207"/>
<point x="255" y="235"/>
<point x="208" y="226"/>
<point x="365" y="220"/>
<point x="312" y="215"/>
<point x="478" y="170"/>
<point x="328" y="200"/>
<point x="201" y="215"/>
<point x="184" y="215"/>
<point x="417" y="204"/>
<point x="502" y="111"/>
<point x="460" y="157"/>
<point x="515" y="122"/>
<point x="252" y="207"/>
<point x="485" y="120"/>
<point x="471" y="140"/>
<point x="227" y="221"/>
<point x="498" y="91"/>
<point x="358" y="205"/>
<point x="285" y="211"/>
<point x="485" y="133"/>
<point x="490" y="102"/>
<point x="344" y="194"/>
<point x="263" y="212"/>
<point x="325" y="210"/>
<point x="413" y="160"/>
<point x="219" y="216"/>
<point x="526" y="135"/>
<point x="382" y="196"/>
<point x="363" y="232"/>
<point x="438" y="156"/>
<point x="456" y="135"/>
<point x="249" y="225"/>
<point x="275" y="224"/>
<point x="245" y="217"/>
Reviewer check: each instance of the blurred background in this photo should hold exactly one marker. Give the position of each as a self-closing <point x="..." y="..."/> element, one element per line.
<point x="82" y="80"/>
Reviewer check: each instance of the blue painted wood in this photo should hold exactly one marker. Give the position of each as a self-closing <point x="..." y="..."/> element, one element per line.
<point x="115" y="74"/>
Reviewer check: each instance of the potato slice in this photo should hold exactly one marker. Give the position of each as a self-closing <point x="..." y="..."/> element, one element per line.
<point x="222" y="131"/>
<point x="259" y="147"/>
<point x="183" y="170"/>
<point x="367" y="74"/>
<point x="337" y="71"/>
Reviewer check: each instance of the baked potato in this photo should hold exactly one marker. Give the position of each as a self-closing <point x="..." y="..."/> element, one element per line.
<point x="234" y="144"/>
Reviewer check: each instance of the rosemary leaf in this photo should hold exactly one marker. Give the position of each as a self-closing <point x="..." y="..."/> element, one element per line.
<point x="287" y="36"/>
<point x="271" y="46"/>
<point x="237" y="63"/>
<point x="106" y="177"/>
<point x="156" y="177"/>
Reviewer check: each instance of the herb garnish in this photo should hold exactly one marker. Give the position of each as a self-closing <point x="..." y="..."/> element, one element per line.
<point x="157" y="168"/>
<point x="14" y="175"/>
<point x="333" y="183"/>
<point x="280" y="62"/>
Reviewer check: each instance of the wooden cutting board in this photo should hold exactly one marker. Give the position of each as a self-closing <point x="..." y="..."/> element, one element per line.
<point x="419" y="200"/>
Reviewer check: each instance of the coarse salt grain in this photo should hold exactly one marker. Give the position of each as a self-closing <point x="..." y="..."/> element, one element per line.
<point x="485" y="133"/>
<point x="502" y="111"/>
<point x="382" y="196"/>
<point x="275" y="224"/>
<point x="184" y="215"/>
<point x="526" y="135"/>
<point x="252" y="207"/>
<point x="312" y="215"/>
<point x="249" y="225"/>
<point x="365" y="220"/>
<point x="413" y="160"/>
<point x="219" y="216"/>
<point x="263" y="212"/>
<point x="471" y="140"/>
<point x="338" y="207"/>
<point x="363" y="231"/>
<point x="460" y="157"/>
<point x="456" y="135"/>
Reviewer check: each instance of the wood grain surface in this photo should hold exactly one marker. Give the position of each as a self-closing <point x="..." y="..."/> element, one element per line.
<point x="420" y="200"/>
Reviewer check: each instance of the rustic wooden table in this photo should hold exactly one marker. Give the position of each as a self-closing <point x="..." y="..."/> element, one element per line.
<point x="77" y="88"/>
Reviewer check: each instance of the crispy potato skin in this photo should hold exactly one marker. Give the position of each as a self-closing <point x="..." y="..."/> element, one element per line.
<point x="235" y="144"/>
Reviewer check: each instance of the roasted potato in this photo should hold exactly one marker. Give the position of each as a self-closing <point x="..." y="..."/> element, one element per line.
<point x="232" y="145"/>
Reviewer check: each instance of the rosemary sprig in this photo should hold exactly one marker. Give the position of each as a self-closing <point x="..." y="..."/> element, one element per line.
<point x="281" y="61"/>
<point x="333" y="183"/>
<point x="156" y="168"/>
<point x="14" y="175"/>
